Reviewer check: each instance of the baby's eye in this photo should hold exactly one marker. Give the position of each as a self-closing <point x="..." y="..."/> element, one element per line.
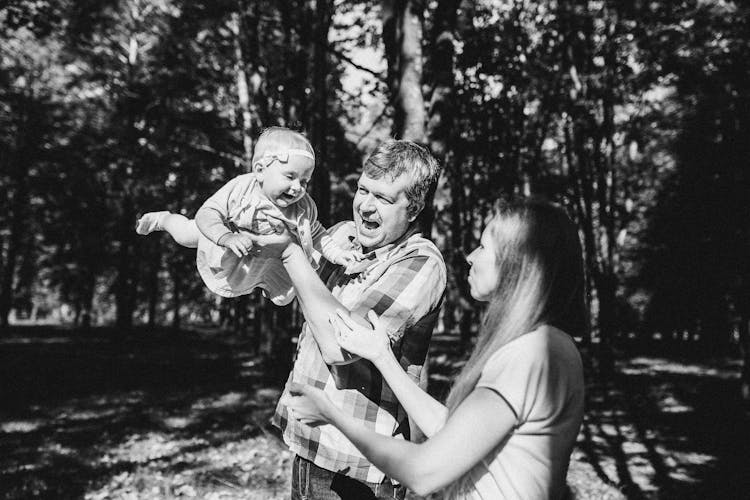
<point x="289" y="176"/>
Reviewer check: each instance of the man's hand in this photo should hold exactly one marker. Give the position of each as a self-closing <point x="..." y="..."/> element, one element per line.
<point x="239" y="243"/>
<point x="272" y="245"/>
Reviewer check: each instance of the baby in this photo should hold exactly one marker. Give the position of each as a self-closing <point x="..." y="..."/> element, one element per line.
<point x="258" y="202"/>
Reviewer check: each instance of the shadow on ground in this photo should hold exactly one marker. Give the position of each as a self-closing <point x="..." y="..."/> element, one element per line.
<point x="165" y="415"/>
<point x="99" y="415"/>
<point x="669" y="429"/>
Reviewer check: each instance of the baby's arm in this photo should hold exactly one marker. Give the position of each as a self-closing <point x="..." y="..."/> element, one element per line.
<point x="211" y="217"/>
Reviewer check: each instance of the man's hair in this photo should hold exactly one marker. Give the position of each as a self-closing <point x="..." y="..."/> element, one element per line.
<point x="394" y="158"/>
<point x="279" y="139"/>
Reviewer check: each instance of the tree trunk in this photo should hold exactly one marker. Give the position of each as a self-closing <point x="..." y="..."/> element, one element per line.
<point x="19" y="207"/>
<point x="442" y="66"/>
<point x="440" y="111"/>
<point x="744" y="330"/>
<point x="243" y="91"/>
<point x="153" y="287"/>
<point x="176" y="295"/>
<point x="321" y="182"/>
<point x="126" y="281"/>
<point x="402" y="33"/>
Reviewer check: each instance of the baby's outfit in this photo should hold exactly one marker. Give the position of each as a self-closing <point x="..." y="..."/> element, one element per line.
<point x="243" y="207"/>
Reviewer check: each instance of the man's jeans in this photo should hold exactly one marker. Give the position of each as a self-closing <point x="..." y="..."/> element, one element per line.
<point x="310" y="482"/>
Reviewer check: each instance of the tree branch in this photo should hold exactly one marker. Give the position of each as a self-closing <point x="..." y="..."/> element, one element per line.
<point x="347" y="59"/>
<point x="372" y="126"/>
<point x="222" y="154"/>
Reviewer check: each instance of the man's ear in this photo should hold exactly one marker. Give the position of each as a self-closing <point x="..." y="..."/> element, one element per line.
<point x="416" y="211"/>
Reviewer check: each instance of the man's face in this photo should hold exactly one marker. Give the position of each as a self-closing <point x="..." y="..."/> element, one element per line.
<point x="381" y="212"/>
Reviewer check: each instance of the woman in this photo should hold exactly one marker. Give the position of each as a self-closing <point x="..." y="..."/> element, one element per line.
<point x="512" y="417"/>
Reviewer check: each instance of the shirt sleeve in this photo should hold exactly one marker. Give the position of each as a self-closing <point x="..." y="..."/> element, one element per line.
<point x="308" y="216"/>
<point x="342" y="234"/>
<point x="210" y="217"/>
<point x="520" y="373"/>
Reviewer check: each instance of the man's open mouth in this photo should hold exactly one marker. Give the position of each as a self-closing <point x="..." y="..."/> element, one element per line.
<point x="370" y="225"/>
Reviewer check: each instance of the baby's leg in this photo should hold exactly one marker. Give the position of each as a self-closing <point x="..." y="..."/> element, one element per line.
<point x="183" y="230"/>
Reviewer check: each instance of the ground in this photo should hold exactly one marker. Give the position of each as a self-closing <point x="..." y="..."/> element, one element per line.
<point x="98" y="415"/>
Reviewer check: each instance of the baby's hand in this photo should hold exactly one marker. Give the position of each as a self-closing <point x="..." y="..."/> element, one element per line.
<point x="238" y="243"/>
<point x="348" y="256"/>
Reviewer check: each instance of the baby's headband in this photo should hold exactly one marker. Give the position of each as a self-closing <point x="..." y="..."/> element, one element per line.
<point x="283" y="156"/>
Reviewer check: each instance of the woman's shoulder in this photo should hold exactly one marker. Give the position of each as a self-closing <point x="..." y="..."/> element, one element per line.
<point x="539" y="343"/>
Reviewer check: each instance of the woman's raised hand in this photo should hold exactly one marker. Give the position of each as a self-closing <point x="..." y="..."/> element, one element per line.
<point x="310" y="405"/>
<point x="369" y="343"/>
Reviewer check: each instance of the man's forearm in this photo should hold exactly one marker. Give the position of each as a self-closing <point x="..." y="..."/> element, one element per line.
<point x="317" y="304"/>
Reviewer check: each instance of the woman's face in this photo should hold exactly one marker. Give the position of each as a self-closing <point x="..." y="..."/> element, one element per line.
<point x="483" y="274"/>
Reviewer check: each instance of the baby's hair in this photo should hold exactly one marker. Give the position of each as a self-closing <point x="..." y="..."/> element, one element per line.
<point x="279" y="140"/>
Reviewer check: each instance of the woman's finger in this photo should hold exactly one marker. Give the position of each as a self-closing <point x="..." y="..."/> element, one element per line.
<point x="335" y="325"/>
<point x="374" y="319"/>
<point x="236" y="251"/>
<point x="346" y="320"/>
<point x="341" y="330"/>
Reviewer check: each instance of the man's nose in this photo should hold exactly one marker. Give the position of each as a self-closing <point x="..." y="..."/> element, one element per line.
<point x="367" y="204"/>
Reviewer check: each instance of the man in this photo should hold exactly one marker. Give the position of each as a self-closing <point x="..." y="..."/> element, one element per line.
<point x="402" y="278"/>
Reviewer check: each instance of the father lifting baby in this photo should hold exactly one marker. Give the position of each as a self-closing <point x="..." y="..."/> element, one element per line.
<point x="260" y="230"/>
<point x="401" y="277"/>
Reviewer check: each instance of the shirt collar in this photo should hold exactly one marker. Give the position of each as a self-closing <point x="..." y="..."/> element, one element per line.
<point x="380" y="254"/>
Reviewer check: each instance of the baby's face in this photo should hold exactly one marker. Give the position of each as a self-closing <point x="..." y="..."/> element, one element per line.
<point x="285" y="183"/>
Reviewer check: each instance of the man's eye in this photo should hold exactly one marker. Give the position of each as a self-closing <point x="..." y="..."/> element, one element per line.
<point x="361" y="190"/>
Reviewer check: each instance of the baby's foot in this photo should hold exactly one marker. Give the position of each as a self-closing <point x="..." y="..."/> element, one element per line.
<point x="150" y="222"/>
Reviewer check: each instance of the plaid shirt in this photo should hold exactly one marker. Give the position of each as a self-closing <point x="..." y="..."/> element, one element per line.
<point x="403" y="283"/>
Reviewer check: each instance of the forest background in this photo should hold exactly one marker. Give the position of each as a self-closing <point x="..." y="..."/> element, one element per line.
<point x="635" y="116"/>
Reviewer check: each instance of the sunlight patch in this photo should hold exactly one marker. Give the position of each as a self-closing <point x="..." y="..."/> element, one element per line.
<point x="644" y="365"/>
<point x="693" y="458"/>
<point x="227" y="400"/>
<point x="21" y="426"/>
<point x="176" y="422"/>
<point x="251" y="469"/>
<point x="144" y="448"/>
<point x="82" y="415"/>
<point x="633" y="448"/>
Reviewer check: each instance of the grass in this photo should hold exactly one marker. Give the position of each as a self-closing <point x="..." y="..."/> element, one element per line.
<point x="185" y="415"/>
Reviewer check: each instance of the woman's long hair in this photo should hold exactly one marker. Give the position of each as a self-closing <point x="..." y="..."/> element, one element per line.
<point x="541" y="281"/>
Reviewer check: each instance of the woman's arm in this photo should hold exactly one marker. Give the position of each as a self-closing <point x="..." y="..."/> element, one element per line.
<point x="373" y="344"/>
<point x="478" y="425"/>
